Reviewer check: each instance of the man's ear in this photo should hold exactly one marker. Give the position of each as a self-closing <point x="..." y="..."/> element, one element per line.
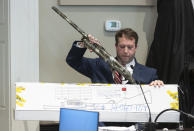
<point x="136" y="46"/>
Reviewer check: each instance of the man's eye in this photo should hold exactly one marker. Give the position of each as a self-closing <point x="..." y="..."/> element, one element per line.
<point x="129" y="47"/>
<point x="122" y="46"/>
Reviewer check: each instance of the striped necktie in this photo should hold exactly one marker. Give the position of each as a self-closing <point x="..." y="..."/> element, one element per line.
<point x="117" y="78"/>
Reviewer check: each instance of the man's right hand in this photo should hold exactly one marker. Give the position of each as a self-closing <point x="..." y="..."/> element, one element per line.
<point x="93" y="40"/>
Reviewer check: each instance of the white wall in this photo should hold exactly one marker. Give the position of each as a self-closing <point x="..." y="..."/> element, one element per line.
<point x="24" y="37"/>
<point x="56" y="35"/>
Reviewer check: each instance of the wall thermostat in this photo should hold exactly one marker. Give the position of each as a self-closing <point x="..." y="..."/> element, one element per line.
<point x="112" y="25"/>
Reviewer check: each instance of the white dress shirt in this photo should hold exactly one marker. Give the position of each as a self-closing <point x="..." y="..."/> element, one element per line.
<point x="129" y="67"/>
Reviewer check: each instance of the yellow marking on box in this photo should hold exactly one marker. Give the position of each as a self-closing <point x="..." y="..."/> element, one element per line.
<point x="19" y="89"/>
<point x="19" y="104"/>
<point x="174" y="96"/>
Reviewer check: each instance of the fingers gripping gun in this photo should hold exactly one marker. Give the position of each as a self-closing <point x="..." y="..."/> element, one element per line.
<point x="99" y="50"/>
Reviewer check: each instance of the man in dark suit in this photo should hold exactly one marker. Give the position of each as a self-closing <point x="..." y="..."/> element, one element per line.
<point x="99" y="71"/>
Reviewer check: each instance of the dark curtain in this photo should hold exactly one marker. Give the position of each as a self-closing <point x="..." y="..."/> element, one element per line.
<point x="172" y="50"/>
<point x="173" y="39"/>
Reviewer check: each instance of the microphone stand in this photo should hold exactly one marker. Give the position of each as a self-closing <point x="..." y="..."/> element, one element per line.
<point x="149" y="126"/>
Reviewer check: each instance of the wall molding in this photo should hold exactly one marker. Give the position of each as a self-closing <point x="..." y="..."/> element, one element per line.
<point x="108" y="2"/>
<point x="3" y="75"/>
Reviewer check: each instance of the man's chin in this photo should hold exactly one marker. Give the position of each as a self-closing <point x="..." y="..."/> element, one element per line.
<point x="125" y="62"/>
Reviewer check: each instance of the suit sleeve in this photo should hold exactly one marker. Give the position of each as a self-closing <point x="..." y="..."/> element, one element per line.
<point x="154" y="75"/>
<point x="76" y="60"/>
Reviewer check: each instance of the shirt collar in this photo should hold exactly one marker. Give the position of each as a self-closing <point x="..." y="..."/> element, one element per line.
<point x="132" y="63"/>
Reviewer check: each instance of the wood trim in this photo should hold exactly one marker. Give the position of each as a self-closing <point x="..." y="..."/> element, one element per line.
<point x="108" y="2"/>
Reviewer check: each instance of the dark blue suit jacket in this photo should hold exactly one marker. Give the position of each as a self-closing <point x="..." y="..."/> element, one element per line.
<point x="100" y="72"/>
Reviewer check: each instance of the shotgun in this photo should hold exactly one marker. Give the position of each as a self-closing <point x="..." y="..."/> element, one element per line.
<point x="99" y="50"/>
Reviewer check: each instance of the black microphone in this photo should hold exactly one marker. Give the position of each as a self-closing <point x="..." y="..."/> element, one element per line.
<point x="148" y="126"/>
<point x="132" y="67"/>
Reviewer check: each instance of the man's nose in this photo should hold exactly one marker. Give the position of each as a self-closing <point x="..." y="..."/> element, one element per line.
<point x="125" y="49"/>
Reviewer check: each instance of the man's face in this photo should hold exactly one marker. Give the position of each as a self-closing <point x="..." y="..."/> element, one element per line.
<point x="125" y="49"/>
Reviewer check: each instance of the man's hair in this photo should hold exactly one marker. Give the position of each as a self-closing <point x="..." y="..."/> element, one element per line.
<point x="127" y="33"/>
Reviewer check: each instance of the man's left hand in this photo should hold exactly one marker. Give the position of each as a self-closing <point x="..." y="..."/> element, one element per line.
<point x="157" y="83"/>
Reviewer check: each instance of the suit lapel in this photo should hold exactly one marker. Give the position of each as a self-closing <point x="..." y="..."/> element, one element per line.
<point x="136" y="72"/>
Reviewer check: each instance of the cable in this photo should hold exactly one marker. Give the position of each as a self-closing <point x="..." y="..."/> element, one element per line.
<point x="188" y="115"/>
